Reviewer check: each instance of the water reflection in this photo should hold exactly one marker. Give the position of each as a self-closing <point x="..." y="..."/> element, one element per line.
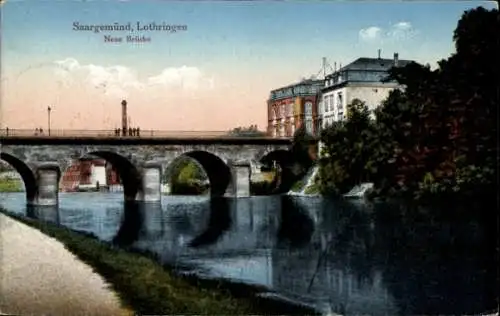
<point x="219" y="222"/>
<point x="44" y="213"/>
<point x="296" y="226"/>
<point x="131" y="226"/>
<point x="341" y="256"/>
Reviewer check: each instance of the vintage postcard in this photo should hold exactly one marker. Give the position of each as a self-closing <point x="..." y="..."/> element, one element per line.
<point x="248" y="157"/>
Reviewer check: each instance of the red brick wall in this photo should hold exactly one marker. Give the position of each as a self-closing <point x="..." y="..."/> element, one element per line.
<point x="80" y="173"/>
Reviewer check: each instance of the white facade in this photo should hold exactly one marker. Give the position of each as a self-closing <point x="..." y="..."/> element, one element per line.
<point x="373" y="96"/>
<point x="308" y="117"/>
<point x="334" y="103"/>
<point x="333" y="106"/>
<point x="98" y="174"/>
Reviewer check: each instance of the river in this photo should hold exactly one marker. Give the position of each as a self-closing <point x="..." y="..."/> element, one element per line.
<point x="342" y="256"/>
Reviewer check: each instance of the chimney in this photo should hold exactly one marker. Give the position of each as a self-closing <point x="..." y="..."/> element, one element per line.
<point x="396" y="59"/>
<point x="124" y="116"/>
<point x="379" y="52"/>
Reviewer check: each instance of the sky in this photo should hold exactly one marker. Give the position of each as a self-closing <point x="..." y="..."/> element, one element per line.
<point x="213" y="74"/>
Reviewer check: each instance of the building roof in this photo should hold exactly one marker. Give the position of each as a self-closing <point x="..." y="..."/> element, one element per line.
<point x="307" y="82"/>
<point x="305" y="87"/>
<point x="373" y="64"/>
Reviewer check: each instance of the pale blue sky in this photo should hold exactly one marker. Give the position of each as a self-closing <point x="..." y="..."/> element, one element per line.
<point x="216" y="75"/>
<point x="227" y="33"/>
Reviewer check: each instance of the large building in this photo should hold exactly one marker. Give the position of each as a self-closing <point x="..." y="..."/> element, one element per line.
<point x="293" y="106"/>
<point x="89" y="174"/>
<point x="361" y="79"/>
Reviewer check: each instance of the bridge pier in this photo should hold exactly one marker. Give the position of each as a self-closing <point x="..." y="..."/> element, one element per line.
<point x="47" y="184"/>
<point x="151" y="182"/>
<point x="241" y="172"/>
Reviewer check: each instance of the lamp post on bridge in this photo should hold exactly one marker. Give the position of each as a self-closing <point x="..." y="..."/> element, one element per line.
<point x="49" y="109"/>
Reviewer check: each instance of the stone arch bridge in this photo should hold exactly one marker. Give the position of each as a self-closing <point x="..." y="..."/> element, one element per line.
<point x="140" y="162"/>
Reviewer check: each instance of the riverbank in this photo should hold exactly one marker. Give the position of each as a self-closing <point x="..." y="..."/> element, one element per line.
<point x="11" y="185"/>
<point x="149" y="288"/>
<point x="37" y="271"/>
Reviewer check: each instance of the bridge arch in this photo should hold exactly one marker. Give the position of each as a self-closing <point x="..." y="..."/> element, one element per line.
<point x="26" y="173"/>
<point x="283" y="157"/>
<point x="218" y="172"/>
<point x="130" y="176"/>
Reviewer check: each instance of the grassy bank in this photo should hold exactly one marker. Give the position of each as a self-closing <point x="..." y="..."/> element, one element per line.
<point x="10" y="185"/>
<point x="146" y="287"/>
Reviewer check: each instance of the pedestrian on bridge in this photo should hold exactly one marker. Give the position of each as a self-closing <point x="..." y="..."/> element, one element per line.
<point x="6" y="131"/>
<point x="138" y="132"/>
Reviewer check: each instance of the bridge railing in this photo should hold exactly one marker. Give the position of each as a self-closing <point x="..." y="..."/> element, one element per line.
<point x="7" y="132"/>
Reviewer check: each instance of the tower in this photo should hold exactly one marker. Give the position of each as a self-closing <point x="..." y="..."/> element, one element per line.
<point x="124" y="118"/>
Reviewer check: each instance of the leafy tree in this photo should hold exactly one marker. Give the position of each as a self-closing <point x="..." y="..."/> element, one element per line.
<point x="347" y="150"/>
<point x="185" y="170"/>
<point x="251" y="131"/>
<point x="303" y="146"/>
<point x="191" y="171"/>
<point x="437" y="134"/>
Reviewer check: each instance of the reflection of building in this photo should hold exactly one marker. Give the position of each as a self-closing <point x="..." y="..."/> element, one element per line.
<point x="88" y="174"/>
<point x="361" y="79"/>
<point x="291" y="107"/>
<point x="330" y="283"/>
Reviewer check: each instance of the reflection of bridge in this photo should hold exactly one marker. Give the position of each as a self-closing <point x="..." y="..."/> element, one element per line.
<point x="139" y="161"/>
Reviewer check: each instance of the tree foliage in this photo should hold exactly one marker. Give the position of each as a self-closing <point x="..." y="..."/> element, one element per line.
<point x="251" y="131"/>
<point x="436" y="135"/>
<point x="346" y="150"/>
<point x="303" y="148"/>
<point x="185" y="170"/>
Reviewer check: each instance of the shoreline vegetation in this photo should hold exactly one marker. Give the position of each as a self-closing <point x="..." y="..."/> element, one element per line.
<point x="431" y="141"/>
<point x="10" y="185"/>
<point x="147" y="287"/>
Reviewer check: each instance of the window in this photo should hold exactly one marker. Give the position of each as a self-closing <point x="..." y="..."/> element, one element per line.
<point x="289" y="109"/>
<point x="282" y="110"/>
<point x="340" y="101"/>
<point x="308" y="108"/>
<point x="309" y="126"/>
<point x="331" y="103"/>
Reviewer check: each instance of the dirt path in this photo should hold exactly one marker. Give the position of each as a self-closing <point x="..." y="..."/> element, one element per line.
<point x="38" y="276"/>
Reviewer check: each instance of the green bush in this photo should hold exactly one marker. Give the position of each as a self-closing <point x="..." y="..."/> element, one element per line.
<point x="297" y="186"/>
<point x="10" y="185"/>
